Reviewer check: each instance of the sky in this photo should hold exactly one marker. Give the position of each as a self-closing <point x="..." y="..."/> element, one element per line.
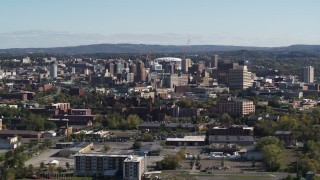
<point x="56" y="23"/>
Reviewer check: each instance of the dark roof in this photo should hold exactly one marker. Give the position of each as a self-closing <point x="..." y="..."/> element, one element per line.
<point x="172" y="125"/>
<point x="282" y="132"/>
<point x="13" y="132"/>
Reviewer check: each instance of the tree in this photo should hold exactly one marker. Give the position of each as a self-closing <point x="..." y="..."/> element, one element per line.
<point x="30" y="169"/>
<point x="8" y="155"/>
<point x="133" y="121"/>
<point x="268" y="141"/>
<point x="67" y="165"/>
<point x="106" y="148"/>
<point x="147" y="137"/>
<point x="50" y="125"/>
<point x="222" y="162"/>
<point x="185" y="103"/>
<point x="34" y="122"/>
<point x="225" y="119"/>
<point x="272" y="156"/>
<point x="136" y="145"/>
<point x="42" y="165"/>
<point x="47" y="142"/>
<point x="59" y="169"/>
<point x="316" y="111"/>
<point x="191" y="164"/>
<point x="9" y="174"/>
<point x="51" y="168"/>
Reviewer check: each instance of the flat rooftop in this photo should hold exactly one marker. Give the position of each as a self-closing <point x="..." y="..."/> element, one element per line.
<point x="133" y="159"/>
<point x="188" y="138"/>
<point x="100" y="155"/>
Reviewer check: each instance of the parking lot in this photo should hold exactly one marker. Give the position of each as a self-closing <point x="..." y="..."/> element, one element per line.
<point x="47" y="156"/>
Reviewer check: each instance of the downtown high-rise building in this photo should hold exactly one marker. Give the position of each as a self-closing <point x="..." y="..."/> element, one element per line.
<point x="54" y="70"/>
<point x="185" y="64"/>
<point x="214" y="61"/>
<point x="239" y="78"/>
<point x="141" y="72"/>
<point x="308" y="74"/>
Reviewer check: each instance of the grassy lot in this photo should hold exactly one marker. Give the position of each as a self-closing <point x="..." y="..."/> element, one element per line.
<point x="289" y="156"/>
<point x="2" y="156"/>
<point x="175" y="175"/>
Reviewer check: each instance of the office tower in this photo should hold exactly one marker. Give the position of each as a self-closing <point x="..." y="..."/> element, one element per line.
<point x="246" y="63"/>
<point x="141" y="74"/>
<point x="110" y="68"/>
<point x="169" y="68"/>
<point x="125" y="65"/>
<point x="170" y="80"/>
<point x="308" y="74"/>
<point x="133" y="168"/>
<point x="54" y="70"/>
<point x="130" y="77"/>
<point x="133" y="69"/>
<point x="183" y="80"/>
<point x="185" y="64"/>
<point x="118" y="67"/>
<point x="197" y="69"/>
<point x="223" y="71"/>
<point x="214" y="61"/>
<point x="239" y="78"/>
<point x="73" y="70"/>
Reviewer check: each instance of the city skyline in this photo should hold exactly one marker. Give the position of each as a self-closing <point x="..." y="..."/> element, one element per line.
<point x="69" y="23"/>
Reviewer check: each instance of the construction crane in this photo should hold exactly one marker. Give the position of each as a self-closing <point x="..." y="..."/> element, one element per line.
<point x="185" y="49"/>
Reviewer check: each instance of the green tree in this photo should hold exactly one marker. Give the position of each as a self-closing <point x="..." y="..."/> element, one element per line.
<point x="269" y="140"/>
<point x="222" y="162"/>
<point x="137" y="145"/>
<point x="59" y="169"/>
<point x="50" y="125"/>
<point x="147" y="137"/>
<point x="9" y="174"/>
<point x="51" y="168"/>
<point x="185" y="103"/>
<point x="8" y="155"/>
<point x="225" y="119"/>
<point x="272" y="156"/>
<point x="30" y="169"/>
<point x="42" y="165"/>
<point x="47" y="143"/>
<point x="106" y="148"/>
<point x="133" y="121"/>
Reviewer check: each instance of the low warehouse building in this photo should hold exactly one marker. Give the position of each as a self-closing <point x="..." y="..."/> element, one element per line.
<point x="83" y="147"/>
<point x="186" y="141"/>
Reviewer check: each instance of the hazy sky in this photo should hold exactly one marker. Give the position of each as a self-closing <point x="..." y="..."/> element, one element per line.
<point x="50" y="23"/>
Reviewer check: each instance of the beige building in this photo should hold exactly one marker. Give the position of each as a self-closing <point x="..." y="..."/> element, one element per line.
<point x="185" y="64"/>
<point x="236" y="107"/>
<point x="133" y="168"/>
<point x="239" y="78"/>
<point x="83" y="147"/>
<point x="308" y="74"/>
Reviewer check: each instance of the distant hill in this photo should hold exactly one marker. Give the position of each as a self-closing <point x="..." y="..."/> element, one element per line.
<point x="144" y="48"/>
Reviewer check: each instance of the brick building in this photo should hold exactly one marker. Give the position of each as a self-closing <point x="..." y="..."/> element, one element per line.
<point x="238" y="107"/>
